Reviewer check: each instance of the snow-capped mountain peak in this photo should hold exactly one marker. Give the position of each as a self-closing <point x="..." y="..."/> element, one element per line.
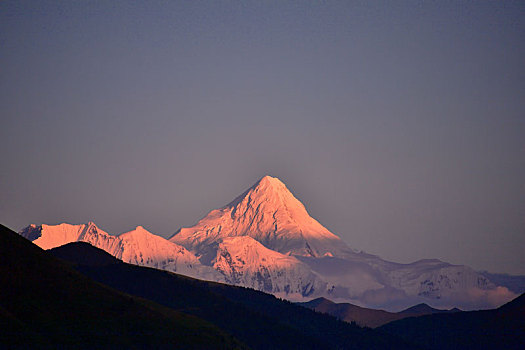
<point x="51" y="236"/>
<point x="271" y="188"/>
<point x="269" y="213"/>
<point x="137" y="232"/>
<point x="265" y="239"/>
<point x="137" y="246"/>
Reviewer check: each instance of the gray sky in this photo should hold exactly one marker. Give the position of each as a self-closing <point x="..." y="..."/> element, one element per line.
<point x="400" y="125"/>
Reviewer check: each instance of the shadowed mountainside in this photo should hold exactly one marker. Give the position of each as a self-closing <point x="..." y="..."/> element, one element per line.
<point x="501" y="328"/>
<point x="365" y="316"/>
<point x="259" y="320"/>
<point x="44" y="303"/>
<point x="424" y="309"/>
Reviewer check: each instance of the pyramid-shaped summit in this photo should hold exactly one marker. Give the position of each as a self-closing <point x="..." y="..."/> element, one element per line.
<point x="268" y="187"/>
<point x="269" y="213"/>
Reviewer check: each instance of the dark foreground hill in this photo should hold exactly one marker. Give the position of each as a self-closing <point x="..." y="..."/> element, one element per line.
<point x="502" y="328"/>
<point x="257" y="319"/>
<point x="365" y="316"/>
<point x="44" y="303"/>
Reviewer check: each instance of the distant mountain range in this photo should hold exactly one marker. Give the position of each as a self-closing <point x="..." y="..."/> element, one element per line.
<point x="266" y="240"/>
<point x="78" y="296"/>
<point x="369" y="317"/>
<point x="502" y="328"/>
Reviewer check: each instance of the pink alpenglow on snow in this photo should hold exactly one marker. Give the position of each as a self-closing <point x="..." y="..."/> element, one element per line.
<point x="246" y="262"/>
<point x="138" y="247"/>
<point x="265" y="239"/>
<point x="269" y="213"/>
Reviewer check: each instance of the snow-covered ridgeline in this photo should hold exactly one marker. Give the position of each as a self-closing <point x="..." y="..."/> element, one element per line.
<point x="138" y="247"/>
<point x="265" y="239"/>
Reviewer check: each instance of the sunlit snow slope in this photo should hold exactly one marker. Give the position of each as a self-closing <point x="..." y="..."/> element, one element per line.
<point x="246" y="262"/>
<point x="138" y="247"/>
<point x="269" y="213"/>
<point x="265" y="239"/>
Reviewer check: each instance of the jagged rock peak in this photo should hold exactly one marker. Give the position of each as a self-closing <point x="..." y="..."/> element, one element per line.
<point x="51" y="236"/>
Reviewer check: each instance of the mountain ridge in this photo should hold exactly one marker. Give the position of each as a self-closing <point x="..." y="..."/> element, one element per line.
<point x="259" y="320"/>
<point x="322" y="265"/>
<point x="369" y="317"/>
<point x="137" y="246"/>
<point x="47" y="304"/>
<point x="500" y="328"/>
